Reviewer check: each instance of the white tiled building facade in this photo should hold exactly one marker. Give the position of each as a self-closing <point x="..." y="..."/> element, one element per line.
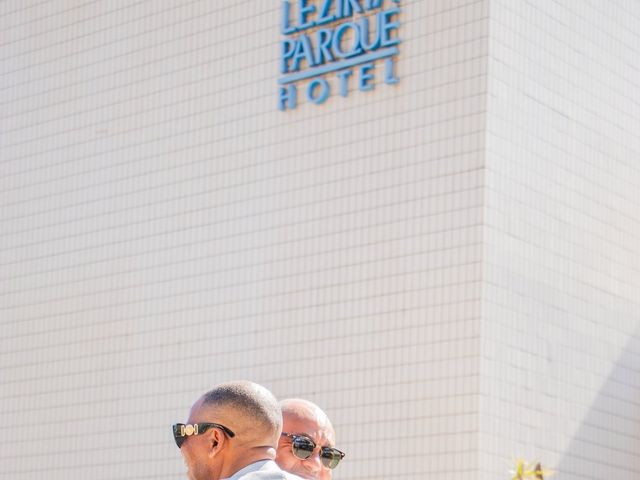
<point x="449" y="266"/>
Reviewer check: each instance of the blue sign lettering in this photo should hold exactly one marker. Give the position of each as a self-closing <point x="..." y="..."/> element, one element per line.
<point x="327" y="36"/>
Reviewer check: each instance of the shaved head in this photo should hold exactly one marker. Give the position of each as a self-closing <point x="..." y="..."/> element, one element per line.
<point x="302" y="417"/>
<point x="300" y="409"/>
<point x="250" y="406"/>
<point x="242" y="422"/>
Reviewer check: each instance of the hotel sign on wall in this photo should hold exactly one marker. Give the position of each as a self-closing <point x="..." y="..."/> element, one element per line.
<point x="346" y="39"/>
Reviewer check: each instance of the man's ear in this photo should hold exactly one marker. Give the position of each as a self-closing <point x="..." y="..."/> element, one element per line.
<point x="216" y="441"/>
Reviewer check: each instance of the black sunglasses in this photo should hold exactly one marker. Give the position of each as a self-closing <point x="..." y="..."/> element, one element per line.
<point x="303" y="447"/>
<point x="182" y="431"/>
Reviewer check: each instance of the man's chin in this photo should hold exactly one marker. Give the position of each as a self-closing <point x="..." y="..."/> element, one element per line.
<point x="189" y="474"/>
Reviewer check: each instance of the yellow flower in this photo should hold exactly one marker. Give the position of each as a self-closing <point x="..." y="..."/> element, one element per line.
<point x="524" y="471"/>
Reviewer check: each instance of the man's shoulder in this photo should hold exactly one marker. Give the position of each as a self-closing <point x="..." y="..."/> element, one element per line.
<point x="269" y="471"/>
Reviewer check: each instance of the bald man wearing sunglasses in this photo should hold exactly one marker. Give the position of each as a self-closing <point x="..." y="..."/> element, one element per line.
<point x="307" y="441"/>
<point x="232" y="433"/>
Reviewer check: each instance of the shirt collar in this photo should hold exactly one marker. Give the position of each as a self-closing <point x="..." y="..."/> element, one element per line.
<point x="252" y="467"/>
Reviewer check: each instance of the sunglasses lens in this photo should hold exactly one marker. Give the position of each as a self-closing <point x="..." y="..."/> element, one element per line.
<point x="302" y="447"/>
<point x="330" y="457"/>
<point x="177" y="436"/>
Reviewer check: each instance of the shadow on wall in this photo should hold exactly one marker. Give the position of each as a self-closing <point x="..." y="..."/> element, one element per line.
<point x="607" y="444"/>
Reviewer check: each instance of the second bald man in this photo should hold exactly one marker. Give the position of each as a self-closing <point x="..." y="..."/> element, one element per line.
<point x="307" y="444"/>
